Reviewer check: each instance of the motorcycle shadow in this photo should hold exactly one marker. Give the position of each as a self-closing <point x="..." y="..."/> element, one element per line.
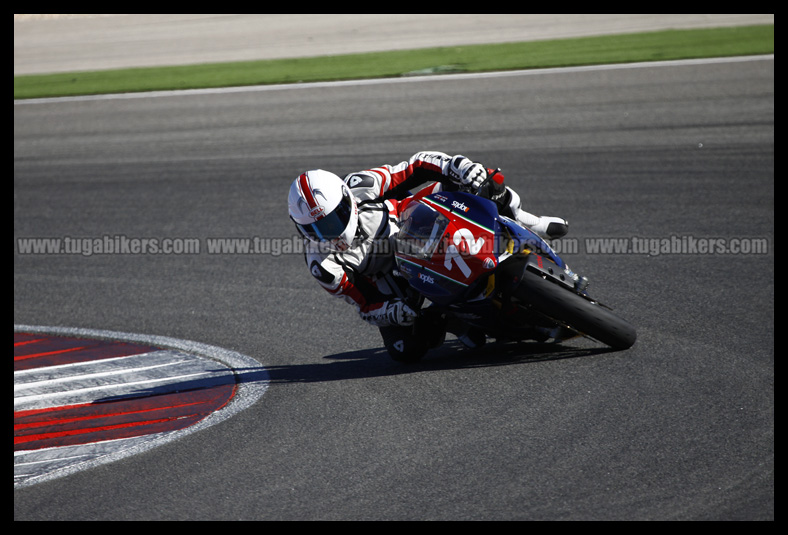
<point x="453" y="354"/>
<point x="366" y="363"/>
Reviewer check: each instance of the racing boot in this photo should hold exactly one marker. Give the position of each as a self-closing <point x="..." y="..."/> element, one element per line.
<point x="509" y="205"/>
<point x="546" y="227"/>
<point x="472" y="337"/>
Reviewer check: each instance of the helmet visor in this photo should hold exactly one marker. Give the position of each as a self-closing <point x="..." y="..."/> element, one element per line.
<point x="331" y="226"/>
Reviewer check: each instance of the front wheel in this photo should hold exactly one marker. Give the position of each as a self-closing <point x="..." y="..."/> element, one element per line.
<point x="402" y="344"/>
<point x="564" y="306"/>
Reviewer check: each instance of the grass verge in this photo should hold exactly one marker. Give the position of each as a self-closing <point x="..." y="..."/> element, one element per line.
<point x="650" y="46"/>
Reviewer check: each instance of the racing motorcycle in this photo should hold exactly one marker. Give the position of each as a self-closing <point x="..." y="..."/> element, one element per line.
<point x="478" y="271"/>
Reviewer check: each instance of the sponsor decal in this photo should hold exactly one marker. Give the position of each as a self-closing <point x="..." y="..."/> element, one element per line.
<point x="426" y="278"/>
<point x="459" y="206"/>
<point x="320" y="273"/>
<point x="360" y="181"/>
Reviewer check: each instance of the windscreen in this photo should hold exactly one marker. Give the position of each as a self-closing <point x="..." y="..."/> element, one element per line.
<point x="421" y="231"/>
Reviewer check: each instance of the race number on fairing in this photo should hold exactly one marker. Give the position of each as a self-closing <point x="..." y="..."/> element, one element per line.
<point x="472" y="246"/>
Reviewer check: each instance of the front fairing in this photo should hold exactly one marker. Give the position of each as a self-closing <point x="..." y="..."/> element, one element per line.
<point x="526" y="239"/>
<point x="450" y="243"/>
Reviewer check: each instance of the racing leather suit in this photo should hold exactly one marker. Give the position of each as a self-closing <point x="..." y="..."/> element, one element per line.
<point x="362" y="275"/>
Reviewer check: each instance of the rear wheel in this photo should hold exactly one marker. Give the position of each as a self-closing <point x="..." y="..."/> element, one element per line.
<point x="569" y="308"/>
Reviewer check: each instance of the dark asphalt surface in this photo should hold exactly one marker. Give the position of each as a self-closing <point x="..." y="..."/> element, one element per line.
<point x="680" y="427"/>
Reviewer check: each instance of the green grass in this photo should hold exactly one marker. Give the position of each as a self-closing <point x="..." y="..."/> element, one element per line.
<point x="651" y="46"/>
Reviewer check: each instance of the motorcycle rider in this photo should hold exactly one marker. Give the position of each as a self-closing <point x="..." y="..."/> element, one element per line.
<point x="349" y="226"/>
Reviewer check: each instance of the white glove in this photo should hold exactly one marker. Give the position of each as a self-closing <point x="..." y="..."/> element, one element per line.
<point x="464" y="172"/>
<point x="389" y="313"/>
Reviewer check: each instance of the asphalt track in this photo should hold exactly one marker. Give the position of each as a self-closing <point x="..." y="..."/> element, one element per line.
<point x="680" y="427"/>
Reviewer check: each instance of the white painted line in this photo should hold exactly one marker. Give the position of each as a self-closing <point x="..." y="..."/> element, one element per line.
<point x="57" y="368"/>
<point x="24" y="400"/>
<point x="43" y="461"/>
<point x="86" y="376"/>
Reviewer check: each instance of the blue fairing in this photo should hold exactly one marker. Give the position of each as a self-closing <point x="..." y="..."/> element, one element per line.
<point x="526" y="238"/>
<point x="485" y="212"/>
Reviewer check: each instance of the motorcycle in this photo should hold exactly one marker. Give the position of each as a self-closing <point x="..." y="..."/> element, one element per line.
<point x="473" y="270"/>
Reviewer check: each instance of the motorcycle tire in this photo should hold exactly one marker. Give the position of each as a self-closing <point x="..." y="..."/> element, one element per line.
<point x="575" y="311"/>
<point x="403" y="345"/>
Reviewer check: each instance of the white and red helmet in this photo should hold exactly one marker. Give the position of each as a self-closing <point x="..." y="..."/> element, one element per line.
<point x="323" y="209"/>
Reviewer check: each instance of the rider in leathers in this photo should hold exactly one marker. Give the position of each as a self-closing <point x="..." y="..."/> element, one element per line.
<point x="361" y="272"/>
